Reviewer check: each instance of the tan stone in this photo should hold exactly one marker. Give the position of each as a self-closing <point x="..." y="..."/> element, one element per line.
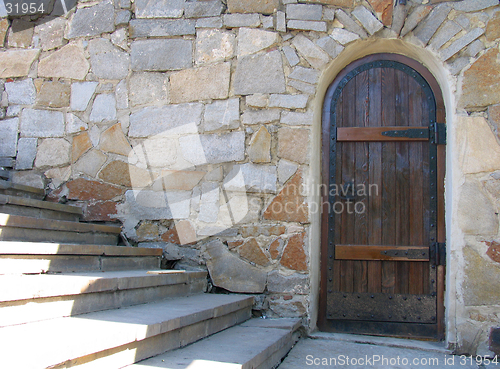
<point x="53" y="152"/>
<point x="293" y="144"/>
<point x="210" y="82"/>
<point x="294" y="257"/>
<point x="494" y="119"/>
<point x="4" y="27"/>
<point x="276" y="247"/>
<point x="383" y="8"/>
<point x="479" y="150"/>
<point x="67" y="62"/>
<point x="262" y="230"/>
<point x="180" y="179"/>
<point x="233" y="244"/>
<point x="253" y="6"/>
<point x="183" y="233"/>
<point x="341" y="3"/>
<point x="54" y="94"/>
<point x="113" y="140"/>
<point x="83" y="189"/>
<point x="90" y="163"/>
<point x="259" y="150"/>
<point x="482" y="279"/>
<point x="481" y="85"/>
<point x="20" y="34"/>
<point x="147" y="231"/>
<point x="289" y="205"/>
<point x="251" y="251"/>
<point x="124" y="174"/>
<point x="16" y="63"/>
<point x="81" y="144"/>
<point x="102" y="211"/>
<point x="493" y="28"/>
<point x="493" y="251"/>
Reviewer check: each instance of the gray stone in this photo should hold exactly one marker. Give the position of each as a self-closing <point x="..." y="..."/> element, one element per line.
<point x="286" y="169"/>
<point x="241" y="20"/>
<point x="257" y="100"/>
<point x="199" y="9"/>
<point x="93" y="20"/>
<point x="74" y="124"/>
<point x="219" y="231"/>
<point x="474" y="48"/>
<point x="367" y="19"/>
<point x="31" y="179"/>
<point x="169" y="119"/>
<point x="291" y="56"/>
<point x="260" y="116"/>
<point x="295" y="283"/>
<point x="251" y="178"/>
<point x="462" y="42"/>
<point x="156" y="152"/>
<point x="288" y="101"/>
<point x="304" y="11"/>
<point x="474" y="6"/>
<point x="231" y="273"/>
<point x="261" y="73"/>
<point x="161" y="27"/>
<point x="463" y="21"/>
<point x="426" y="29"/>
<point x="104" y="108"/>
<point x="53" y="152"/>
<point x="328" y="14"/>
<point x="51" y="33"/>
<point x="161" y="55"/>
<point x="224" y="114"/>
<point x="349" y="23"/>
<point x="267" y="21"/>
<point x="209" y="204"/>
<point x="414" y="19"/>
<point x="343" y="36"/>
<point x="107" y="61"/>
<point x="153" y="205"/>
<point x="302" y="86"/>
<point x="120" y="38"/>
<point x="13" y="111"/>
<point x="67" y="62"/>
<point x="21" y="92"/>
<point x="212" y="22"/>
<point x="297" y="119"/>
<point x="122" y="17"/>
<point x="26" y="152"/>
<point x="8" y="137"/>
<point x="81" y="93"/>
<point x="90" y="163"/>
<point x="252" y="40"/>
<point x="458" y="64"/>
<point x="280" y="21"/>
<point x="147" y="88"/>
<point x="16" y="63"/>
<point x="330" y="46"/>
<point x="305" y="75"/>
<point x="159" y="8"/>
<point x="41" y="123"/>
<point x="399" y="14"/>
<point x="313" y="54"/>
<point x="213" y="45"/>
<point x="307" y="25"/>
<point x="445" y="34"/>
<point x="121" y="94"/>
<point x="202" y="149"/>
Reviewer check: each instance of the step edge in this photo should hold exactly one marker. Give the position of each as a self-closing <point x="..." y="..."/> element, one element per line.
<point x="39" y="204"/>
<point x="6" y="185"/>
<point x="47" y="248"/>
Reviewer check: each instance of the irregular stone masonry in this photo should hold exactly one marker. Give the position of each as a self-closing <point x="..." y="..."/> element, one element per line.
<point x="197" y="117"/>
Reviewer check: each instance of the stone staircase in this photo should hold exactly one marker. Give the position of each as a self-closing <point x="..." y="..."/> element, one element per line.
<point x="70" y="297"/>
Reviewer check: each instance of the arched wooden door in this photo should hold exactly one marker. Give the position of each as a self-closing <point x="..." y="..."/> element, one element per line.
<point x="383" y="233"/>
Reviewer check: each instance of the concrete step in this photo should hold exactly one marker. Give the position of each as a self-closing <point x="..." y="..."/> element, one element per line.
<point x="256" y="344"/>
<point x="116" y="338"/>
<point x="36" y="258"/>
<point x="30" y="298"/>
<point x="13" y="189"/>
<point x="16" y="205"/>
<point x="30" y="229"/>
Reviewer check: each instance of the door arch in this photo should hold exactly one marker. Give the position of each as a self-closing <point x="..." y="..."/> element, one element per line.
<point x="382" y="263"/>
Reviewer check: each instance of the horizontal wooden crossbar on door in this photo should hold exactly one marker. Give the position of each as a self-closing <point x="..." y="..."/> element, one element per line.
<point x="396" y="133"/>
<point x="395" y="253"/>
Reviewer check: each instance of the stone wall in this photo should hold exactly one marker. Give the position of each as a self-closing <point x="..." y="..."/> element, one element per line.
<point x="191" y="123"/>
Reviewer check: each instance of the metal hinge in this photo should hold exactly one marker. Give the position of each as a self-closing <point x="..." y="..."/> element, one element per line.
<point x="438" y="253"/>
<point x="438" y="133"/>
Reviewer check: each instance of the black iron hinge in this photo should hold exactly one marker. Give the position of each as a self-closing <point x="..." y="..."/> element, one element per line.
<point x="438" y="133"/>
<point x="438" y="253"/>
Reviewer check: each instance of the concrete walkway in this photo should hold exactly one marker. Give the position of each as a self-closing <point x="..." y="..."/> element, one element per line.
<point x="362" y="352"/>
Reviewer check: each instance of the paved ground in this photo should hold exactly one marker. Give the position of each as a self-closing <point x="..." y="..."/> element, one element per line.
<point x="357" y="352"/>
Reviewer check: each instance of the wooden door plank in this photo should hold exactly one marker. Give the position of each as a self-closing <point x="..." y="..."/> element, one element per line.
<point x="372" y="252"/>
<point x="375" y="134"/>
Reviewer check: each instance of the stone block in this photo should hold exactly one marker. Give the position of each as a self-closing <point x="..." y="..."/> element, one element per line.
<point x="493" y="28"/>
<point x="428" y="27"/>
<point x="26" y="152"/>
<point x="74" y="124"/>
<point x="280" y="21"/>
<point x="53" y="152"/>
<point x="293" y="284"/>
<point x="123" y="174"/>
<point x="107" y="61"/>
<point x="260" y="116"/>
<point x="212" y="22"/>
<point x="474" y="6"/>
<point x="223" y="114"/>
<point x="205" y="8"/>
<point x="304" y="12"/>
<point x="104" y="108"/>
<point x="252" y="40"/>
<point x="252" y="6"/>
<point x="41" y="123"/>
<point x="213" y="45"/>
<point x="20" y="34"/>
<point x="474" y="48"/>
<point x="159" y="8"/>
<point x="481" y="278"/>
<point x="286" y="169"/>
<point x="302" y="87"/>
<point x="8" y="137"/>
<point x="202" y="149"/>
<point x="121" y="94"/>
<point x="367" y="19"/>
<point x="231" y="273"/>
<point x="122" y="17"/>
<point x="343" y="36"/>
<point x="461" y="43"/>
<point x="289" y="205"/>
<point x="313" y="54"/>
<point x="445" y="34"/>
<point x="67" y="62"/>
<point x="481" y="84"/>
<point x="147" y="88"/>
<point x="307" y="75"/>
<point x="252" y="252"/>
<point x="210" y="202"/>
<point x="330" y="46"/>
<point x="416" y="16"/>
<point x="288" y="101"/>
<point x="161" y="55"/>
<point x="457" y="65"/>
<point x="166" y="120"/>
<point x="81" y="144"/>
<point x="307" y="25"/>
<point x="262" y="73"/>
<point x="290" y="55"/>
<point x="104" y="211"/>
<point x="54" y="94"/>
<point x="257" y="100"/>
<point x="4" y="27"/>
<point x="251" y="178"/>
<point x="161" y="27"/>
<point x="12" y="111"/>
<point x="293" y="144"/>
<point x="84" y="190"/>
<point x="383" y="9"/>
<point x="28" y="178"/>
<point x="21" y="92"/>
<point x="156" y="152"/>
<point x="349" y="24"/>
<point x="81" y="93"/>
<point x="16" y="63"/>
<point x="297" y="119"/>
<point x="90" y="163"/>
<point x="259" y="150"/>
<point x="183" y="233"/>
<point x="267" y="21"/>
<point x="341" y="3"/>
<point x="294" y="256"/>
<point x="113" y="140"/>
<point x="183" y="180"/>
<point x="241" y="20"/>
<point x="476" y="213"/>
<point x="92" y="21"/>
<point x="153" y="205"/>
<point x="210" y="82"/>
